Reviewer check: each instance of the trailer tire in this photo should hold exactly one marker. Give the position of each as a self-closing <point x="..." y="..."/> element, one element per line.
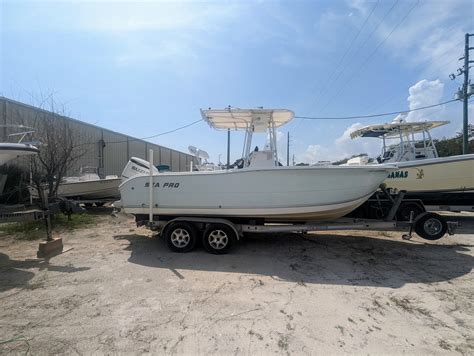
<point x="180" y="237"/>
<point x="218" y="239"/>
<point x="430" y="226"/>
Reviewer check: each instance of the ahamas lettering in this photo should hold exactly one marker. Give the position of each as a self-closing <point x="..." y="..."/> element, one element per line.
<point x="398" y="174"/>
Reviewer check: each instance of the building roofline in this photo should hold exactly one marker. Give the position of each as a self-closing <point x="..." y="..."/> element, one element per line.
<point x="85" y="123"/>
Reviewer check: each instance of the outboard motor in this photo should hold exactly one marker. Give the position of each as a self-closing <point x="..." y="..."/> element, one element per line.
<point x="137" y="166"/>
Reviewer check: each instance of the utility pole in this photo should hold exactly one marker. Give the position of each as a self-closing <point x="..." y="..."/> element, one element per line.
<point x="465" y="92"/>
<point x="288" y="149"/>
<point x="465" y="120"/>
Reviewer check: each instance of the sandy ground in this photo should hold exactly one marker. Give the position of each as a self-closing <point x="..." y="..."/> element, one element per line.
<point x="118" y="290"/>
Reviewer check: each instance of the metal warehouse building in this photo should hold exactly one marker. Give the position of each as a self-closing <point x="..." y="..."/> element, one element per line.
<point x="105" y="149"/>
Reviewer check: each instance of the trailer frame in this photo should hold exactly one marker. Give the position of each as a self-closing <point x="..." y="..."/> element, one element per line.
<point x="220" y="233"/>
<point x="203" y="225"/>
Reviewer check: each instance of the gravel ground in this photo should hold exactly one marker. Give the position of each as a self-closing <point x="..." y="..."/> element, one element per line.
<point x="117" y="289"/>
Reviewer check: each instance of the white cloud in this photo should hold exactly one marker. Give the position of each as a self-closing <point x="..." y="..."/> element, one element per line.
<point x="312" y="154"/>
<point x="360" y="5"/>
<point x="424" y="93"/>
<point x="342" y="147"/>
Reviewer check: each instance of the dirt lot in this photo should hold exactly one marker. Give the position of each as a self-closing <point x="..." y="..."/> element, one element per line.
<point x="117" y="289"/>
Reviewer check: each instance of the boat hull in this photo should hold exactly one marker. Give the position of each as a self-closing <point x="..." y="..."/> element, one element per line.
<point x="446" y="174"/>
<point x="274" y="194"/>
<point x="91" y="190"/>
<point x="10" y="151"/>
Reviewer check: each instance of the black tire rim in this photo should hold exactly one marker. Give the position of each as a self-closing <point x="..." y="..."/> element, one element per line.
<point x="432" y="226"/>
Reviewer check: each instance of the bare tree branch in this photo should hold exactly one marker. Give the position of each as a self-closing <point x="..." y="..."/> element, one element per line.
<point x="59" y="146"/>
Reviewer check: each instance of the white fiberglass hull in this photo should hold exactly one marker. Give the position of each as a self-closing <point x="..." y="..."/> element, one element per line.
<point x="445" y="174"/>
<point x="10" y="151"/>
<point x="279" y="193"/>
<point x="90" y="190"/>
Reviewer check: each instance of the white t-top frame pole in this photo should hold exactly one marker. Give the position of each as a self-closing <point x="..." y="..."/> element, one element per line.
<point x="150" y="190"/>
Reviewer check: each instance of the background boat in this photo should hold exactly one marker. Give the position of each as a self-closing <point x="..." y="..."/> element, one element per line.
<point x="437" y="181"/>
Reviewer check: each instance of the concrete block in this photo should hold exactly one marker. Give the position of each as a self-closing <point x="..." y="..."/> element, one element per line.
<point x="50" y="248"/>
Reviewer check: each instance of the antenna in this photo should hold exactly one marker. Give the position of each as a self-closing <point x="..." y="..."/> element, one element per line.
<point x="193" y="150"/>
<point x="202" y="154"/>
<point x="198" y="153"/>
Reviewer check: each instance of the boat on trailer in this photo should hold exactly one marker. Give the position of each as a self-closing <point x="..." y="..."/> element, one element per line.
<point x="260" y="195"/>
<point x="442" y="183"/>
<point x="261" y="189"/>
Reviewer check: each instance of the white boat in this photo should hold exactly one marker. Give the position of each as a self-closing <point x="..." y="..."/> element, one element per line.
<point x="89" y="186"/>
<point x="9" y="151"/>
<point x="262" y="189"/>
<point x="436" y="180"/>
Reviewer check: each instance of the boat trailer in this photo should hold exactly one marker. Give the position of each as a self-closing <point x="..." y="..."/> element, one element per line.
<point x="219" y="234"/>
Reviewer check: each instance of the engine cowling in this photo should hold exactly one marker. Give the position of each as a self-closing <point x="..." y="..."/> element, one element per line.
<point x="137" y="166"/>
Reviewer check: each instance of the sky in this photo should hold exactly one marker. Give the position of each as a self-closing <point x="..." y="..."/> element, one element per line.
<point x="147" y="67"/>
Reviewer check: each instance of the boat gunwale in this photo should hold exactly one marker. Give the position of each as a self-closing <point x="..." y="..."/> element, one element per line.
<point x="91" y="181"/>
<point x="387" y="168"/>
<point x="26" y="147"/>
<point x="433" y="161"/>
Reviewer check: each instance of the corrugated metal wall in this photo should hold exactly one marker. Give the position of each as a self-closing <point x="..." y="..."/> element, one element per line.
<point x="107" y="150"/>
<point x="165" y="155"/>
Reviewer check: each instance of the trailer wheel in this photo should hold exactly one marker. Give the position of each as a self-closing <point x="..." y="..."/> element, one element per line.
<point x="218" y="239"/>
<point x="405" y="209"/>
<point x="430" y="226"/>
<point x="181" y="237"/>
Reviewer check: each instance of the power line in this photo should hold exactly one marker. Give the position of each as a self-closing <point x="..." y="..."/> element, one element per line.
<point x="371" y="55"/>
<point x="328" y="81"/>
<point x="366" y="41"/>
<point x="160" y="134"/>
<point x="373" y="115"/>
<point x="148" y="137"/>
<point x="174" y="130"/>
<point x="376" y="106"/>
<point x="354" y="39"/>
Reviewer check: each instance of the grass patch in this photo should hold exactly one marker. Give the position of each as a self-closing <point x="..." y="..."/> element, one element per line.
<point x="34" y="230"/>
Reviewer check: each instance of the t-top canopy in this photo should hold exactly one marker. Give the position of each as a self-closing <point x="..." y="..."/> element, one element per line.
<point x="394" y="129"/>
<point x="242" y="119"/>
